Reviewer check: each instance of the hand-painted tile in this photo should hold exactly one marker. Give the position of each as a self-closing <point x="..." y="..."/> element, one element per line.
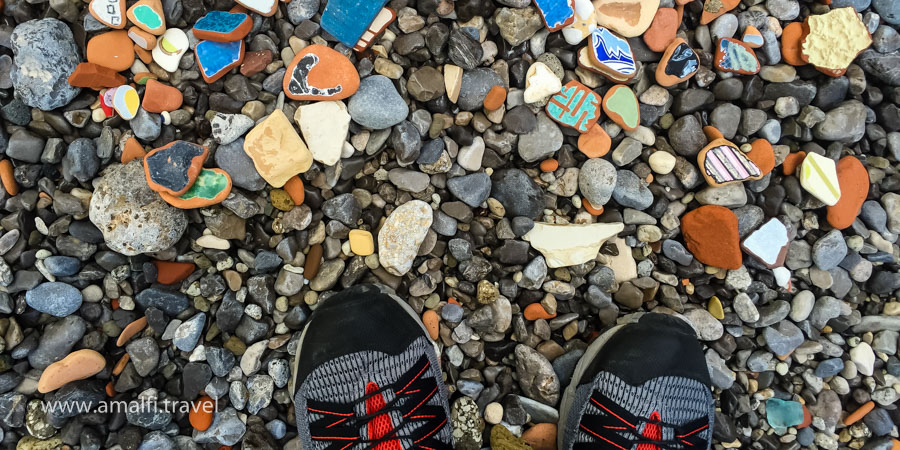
<point x="148" y="15"/>
<point x="585" y="22"/>
<point x="215" y="59"/>
<point x="733" y="55"/>
<point x="818" y="175"/>
<point x="679" y="63"/>
<point x="173" y="168"/>
<point x="612" y="53"/>
<point x="223" y="26"/>
<point x="348" y="20"/>
<point x="557" y="14"/>
<point x="211" y="187"/>
<point x="320" y="73"/>
<point x="126" y="101"/>
<point x="621" y="105"/>
<point x="576" y="106"/>
<point x="722" y="163"/>
<point x="752" y="37"/>
<point x="109" y="12"/>
<point x="169" y="49"/>
<point x="768" y="243"/>
<point x="383" y="20"/>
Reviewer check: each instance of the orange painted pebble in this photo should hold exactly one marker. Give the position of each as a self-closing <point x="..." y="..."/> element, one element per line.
<point x="78" y="365"/>
<point x="159" y="97"/>
<point x="860" y="412"/>
<point x="590" y="208"/>
<point x="541" y="436"/>
<point x="201" y="415"/>
<point x="432" y="323"/>
<point x="792" y="161"/>
<point x="791" y="36"/>
<point x="294" y="188"/>
<point x="169" y="272"/>
<point x="549" y="165"/>
<point x="536" y="311"/>
<point x="132" y="150"/>
<point x="7" y="178"/>
<point x="595" y="143"/>
<point x="324" y="74"/>
<point x="854" y="182"/>
<point x="662" y="30"/>
<point x="495" y="98"/>
<point x="113" y="50"/>
<point x="130" y="330"/>
<point x="762" y="155"/>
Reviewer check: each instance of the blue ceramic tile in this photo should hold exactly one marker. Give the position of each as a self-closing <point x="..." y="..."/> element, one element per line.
<point x="347" y="20"/>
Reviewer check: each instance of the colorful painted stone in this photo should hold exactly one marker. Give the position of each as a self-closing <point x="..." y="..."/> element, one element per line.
<point x="148" y="16"/>
<point x="722" y="163"/>
<point x="715" y="8"/>
<point x="733" y="55"/>
<point x="348" y="20"/>
<point x="223" y="26"/>
<point x="629" y="18"/>
<point x="96" y="77"/>
<point x="557" y="14"/>
<point x="585" y="22"/>
<point x="173" y="167"/>
<point x="752" y="37"/>
<point x="818" y="175"/>
<point x="820" y="47"/>
<point x="276" y="149"/>
<point x="678" y="64"/>
<point x="109" y="12"/>
<point x="215" y="59"/>
<point x="320" y="73"/>
<point x="576" y="106"/>
<point x="143" y="77"/>
<point x="142" y="38"/>
<point x="262" y="7"/>
<point x="106" y="102"/>
<point x="612" y="54"/>
<point x="383" y="20"/>
<point x="126" y="101"/>
<point x="768" y="244"/>
<point x="621" y="105"/>
<point x="211" y="187"/>
<point x="169" y="49"/>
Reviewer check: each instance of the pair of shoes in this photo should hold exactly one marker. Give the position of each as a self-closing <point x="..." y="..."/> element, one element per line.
<point x="368" y="376"/>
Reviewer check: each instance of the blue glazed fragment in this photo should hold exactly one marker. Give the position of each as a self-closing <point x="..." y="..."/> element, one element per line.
<point x="347" y="20"/>
<point x="215" y="58"/>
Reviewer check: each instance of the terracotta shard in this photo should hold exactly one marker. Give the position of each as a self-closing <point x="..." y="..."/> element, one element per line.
<point x="678" y="64"/>
<point x="853" y="179"/>
<point x="576" y="106"/>
<point x="173" y="168"/>
<point x="320" y="73"/>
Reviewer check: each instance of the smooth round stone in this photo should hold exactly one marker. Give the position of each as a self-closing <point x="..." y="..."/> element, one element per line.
<point x="377" y="104"/>
<point x="54" y="298"/>
<point x="662" y="162"/>
<point x="62" y="266"/>
<point x="596" y="181"/>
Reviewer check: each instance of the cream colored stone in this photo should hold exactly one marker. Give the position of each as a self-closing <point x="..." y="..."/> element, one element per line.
<point x="277" y="150"/>
<point x="540" y="83"/>
<point x="835" y="39"/>
<point x="402" y="234"/>
<point x="662" y="162"/>
<point x="452" y="81"/>
<point x="324" y="126"/>
<point x="629" y="18"/>
<point x="570" y="245"/>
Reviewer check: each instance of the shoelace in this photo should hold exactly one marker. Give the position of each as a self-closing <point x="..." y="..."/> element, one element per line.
<point x="616" y="428"/>
<point x="341" y="428"/>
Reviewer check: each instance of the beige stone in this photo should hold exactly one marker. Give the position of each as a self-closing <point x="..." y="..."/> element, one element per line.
<point x="452" y="81"/>
<point x="78" y="365"/>
<point x="623" y="264"/>
<point x="324" y="126"/>
<point x="570" y="245"/>
<point x="841" y="25"/>
<point x="361" y="242"/>
<point x="629" y="18"/>
<point x="277" y="150"/>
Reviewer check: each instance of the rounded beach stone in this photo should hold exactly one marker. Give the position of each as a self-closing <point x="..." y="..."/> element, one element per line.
<point x="361" y="242"/>
<point x="133" y="218"/>
<point x="44" y="55"/>
<point x="711" y="235"/>
<point x="402" y="234"/>
<point x="377" y="104"/>
<point x="78" y="365"/>
<point x="54" y="298"/>
<point x="320" y="73"/>
<point x="853" y="179"/>
<point x="112" y="49"/>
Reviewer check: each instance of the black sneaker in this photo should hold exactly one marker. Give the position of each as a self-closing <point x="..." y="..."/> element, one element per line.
<point x="640" y="386"/>
<point x="367" y="377"/>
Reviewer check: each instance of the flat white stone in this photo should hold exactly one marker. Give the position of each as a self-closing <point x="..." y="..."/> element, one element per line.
<point x="402" y="234"/>
<point x="767" y="242"/>
<point x="452" y="81"/>
<point x="540" y="83"/>
<point x="169" y="49"/>
<point x="864" y="358"/>
<point x="324" y="126"/>
<point x="570" y="245"/>
<point x="782" y="276"/>
<point x="470" y="156"/>
<point x="819" y="177"/>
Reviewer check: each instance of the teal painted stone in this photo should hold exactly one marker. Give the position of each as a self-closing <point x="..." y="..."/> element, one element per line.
<point x="735" y="56"/>
<point x="783" y="413"/>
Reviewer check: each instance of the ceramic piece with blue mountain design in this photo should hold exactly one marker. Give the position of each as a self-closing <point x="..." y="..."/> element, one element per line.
<point x="612" y="55"/>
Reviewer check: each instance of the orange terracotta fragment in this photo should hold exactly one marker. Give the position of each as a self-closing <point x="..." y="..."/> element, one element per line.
<point x="145" y="56"/>
<point x="120" y="366"/>
<point x="711" y="235"/>
<point x="159" y="97"/>
<point x="294" y="188"/>
<point x="132" y="150"/>
<point x="202" y="411"/>
<point x="142" y="38"/>
<point x="549" y="165"/>
<point x="712" y="9"/>
<point x="590" y="208"/>
<point x="110" y="389"/>
<point x="94" y="76"/>
<point x="536" y="311"/>
<point x="854" y="182"/>
<point x="313" y="262"/>
<point x="595" y="143"/>
<point x="495" y="98"/>
<point x="170" y="272"/>
<point x="431" y="321"/>
<point x="662" y="30"/>
<point x="791" y="37"/>
<point x="860" y="412"/>
<point x="762" y="155"/>
<point x="130" y="330"/>
<point x="792" y="161"/>
<point x="7" y="178"/>
<point x="113" y="50"/>
<point x="78" y="365"/>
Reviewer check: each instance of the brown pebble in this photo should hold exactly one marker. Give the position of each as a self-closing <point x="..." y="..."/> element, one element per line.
<point x="313" y="262"/>
<point x="432" y="323"/>
<point x="541" y="436"/>
<point x="130" y="330"/>
<point x="860" y="412"/>
<point x="7" y="178"/>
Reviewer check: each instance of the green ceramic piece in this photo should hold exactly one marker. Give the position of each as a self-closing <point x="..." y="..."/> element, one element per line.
<point x="625" y="103"/>
<point x="147" y="16"/>
<point x="209" y="185"/>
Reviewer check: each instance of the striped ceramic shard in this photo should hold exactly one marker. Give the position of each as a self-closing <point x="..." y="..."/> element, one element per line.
<point x="818" y="175"/>
<point x="557" y="14"/>
<point x="576" y="106"/>
<point x="612" y="52"/>
<point x="723" y="164"/>
<point x="384" y="19"/>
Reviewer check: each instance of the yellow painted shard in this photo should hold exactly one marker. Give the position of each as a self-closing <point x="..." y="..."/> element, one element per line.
<point x="818" y="176"/>
<point x="835" y="39"/>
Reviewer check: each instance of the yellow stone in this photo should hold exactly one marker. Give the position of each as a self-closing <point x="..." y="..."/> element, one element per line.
<point x="715" y="308"/>
<point x="277" y="150"/>
<point x="835" y="38"/>
<point x="361" y="242"/>
<point x="281" y="200"/>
